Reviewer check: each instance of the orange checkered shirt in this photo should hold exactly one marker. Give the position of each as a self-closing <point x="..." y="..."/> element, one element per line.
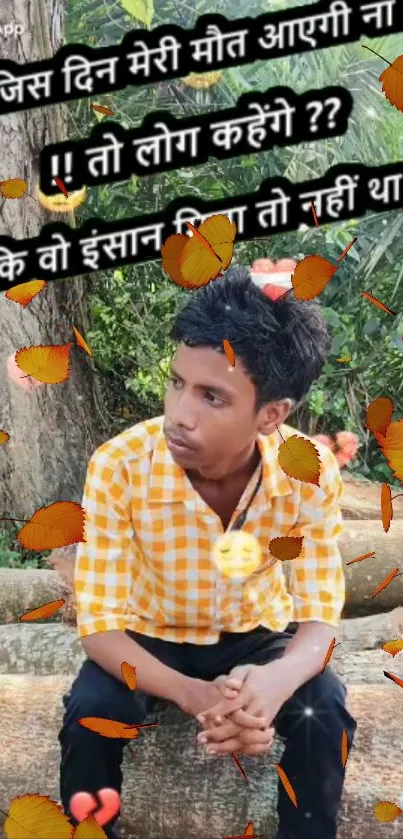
<point x="146" y="564"/>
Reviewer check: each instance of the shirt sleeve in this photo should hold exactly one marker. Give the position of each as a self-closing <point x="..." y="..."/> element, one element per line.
<point x="317" y="581"/>
<point x="105" y="561"/>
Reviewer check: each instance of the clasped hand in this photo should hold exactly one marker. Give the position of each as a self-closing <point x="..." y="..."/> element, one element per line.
<point x="242" y="720"/>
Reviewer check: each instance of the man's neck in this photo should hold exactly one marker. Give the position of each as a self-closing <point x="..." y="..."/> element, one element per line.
<point x="242" y="472"/>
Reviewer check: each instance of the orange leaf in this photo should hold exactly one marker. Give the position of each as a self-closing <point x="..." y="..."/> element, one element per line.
<point x="378" y="303"/>
<point x="386" y="811"/>
<point x="81" y="342"/>
<point x="13" y="188"/>
<point x="45" y="611"/>
<point x="109" y="728"/>
<point x="386" y="581"/>
<point x="286" y="784"/>
<point x="392" y="83"/>
<point x="103" y="109"/>
<point x="60" y="184"/>
<point x="346" y="250"/>
<point x="129" y="674"/>
<point x="89" y="829"/>
<point x="344" y="747"/>
<point x="55" y="526"/>
<point x="48" y="364"/>
<point x="311" y="276"/>
<point x="198" y="266"/>
<point x="379" y="415"/>
<point x="249" y="831"/>
<point x="4" y="437"/>
<point x="394" y="678"/>
<point x="25" y="292"/>
<point x="348" y="358"/>
<point x="237" y="763"/>
<point x="299" y="459"/>
<point x="392" y="447"/>
<point x="34" y="816"/>
<point x="329" y="653"/>
<point x="393" y="647"/>
<point x="202" y="239"/>
<point x="286" y="547"/>
<point x="386" y="506"/>
<point x="58" y="203"/>
<point x="229" y="352"/>
<point x="170" y="252"/>
<point x="360" y="558"/>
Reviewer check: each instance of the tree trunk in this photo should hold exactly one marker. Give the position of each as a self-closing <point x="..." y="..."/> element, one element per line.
<point x="55" y="428"/>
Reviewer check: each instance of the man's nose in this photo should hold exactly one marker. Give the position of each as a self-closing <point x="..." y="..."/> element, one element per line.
<point x="184" y="411"/>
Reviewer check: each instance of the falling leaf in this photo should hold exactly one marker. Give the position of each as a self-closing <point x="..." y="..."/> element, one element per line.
<point x="48" y="364"/>
<point x="129" y="674"/>
<point x="311" y="276"/>
<point x="315" y="218"/>
<point x="329" y="653"/>
<point x="55" y="526"/>
<point x="249" y="831"/>
<point x="344" y="747"/>
<point x="186" y="259"/>
<point x="201" y="81"/>
<point x="286" y="784"/>
<point x="394" y="678"/>
<point x="346" y="250"/>
<point x="386" y="581"/>
<point x="34" y="816"/>
<point x="392" y="447"/>
<point x="112" y="728"/>
<point x="386" y="811"/>
<point x="102" y="109"/>
<point x="25" y="292"/>
<point x="286" y="547"/>
<point x="393" y="647"/>
<point x="377" y="302"/>
<point x="141" y="10"/>
<point x="203" y="240"/>
<point x="59" y="203"/>
<point x="229" y="352"/>
<point x="379" y="415"/>
<point x="60" y="184"/>
<point x="237" y="763"/>
<point x="4" y="437"/>
<point x="89" y="829"/>
<point x="386" y="506"/>
<point x="392" y="83"/>
<point x="170" y="252"/>
<point x="81" y="342"/>
<point x="13" y="188"/>
<point x="299" y="459"/>
<point x="45" y="611"/>
<point x="360" y="558"/>
<point x="348" y="358"/>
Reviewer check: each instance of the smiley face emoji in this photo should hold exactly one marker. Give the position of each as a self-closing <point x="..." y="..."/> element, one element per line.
<point x="237" y="554"/>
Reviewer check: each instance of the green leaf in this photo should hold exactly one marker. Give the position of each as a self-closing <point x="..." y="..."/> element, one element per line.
<point x="142" y="10"/>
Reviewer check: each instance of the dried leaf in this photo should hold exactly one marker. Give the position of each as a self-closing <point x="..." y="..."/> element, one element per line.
<point x="81" y="342"/>
<point x="392" y="447"/>
<point x="229" y="352"/>
<point x="329" y="653"/>
<point x="378" y="303"/>
<point x="311" y="276"/>
<point x="45" y="611"/>
<point x="344" y="747"/>
<point x="60" y="184"/>
<point x="393" y="647"/>
<point x="379" y="415"/>
<point x="201" y="81"/>
<point x="59" y="203"/>
<point x="386" y="581"/>
<point x="198" y="266"/>
<point x="386" y="811"/>
<point x="286" y="784"/>
<point x="13" y="188"/>
<point x="346" y="250"/>
<point x="202" y="240"/>
<point x="348" y="358"/>
<point x="25" y="292"/>
<point x="249" y="831"/>
<point x="103" y="109"/>
<point x="36" y="817"/>
<point x="392" y="83"/>
<point x="170" y="252"/>
<point x="109" y="728"/>
<point x="238" y="765"/>
<point x="55" y="526"/>
<point x="129" y="674"/>
<point x="360" y="558"/>
<point x="48" y="364"/>
<point x="386" y="506"/>
<point x="89" y="829"/>
<point x="299" y="459"/>
<point x="393" y="678"/>
<point x="4" y="437"/>
<point x="286" y="547"/>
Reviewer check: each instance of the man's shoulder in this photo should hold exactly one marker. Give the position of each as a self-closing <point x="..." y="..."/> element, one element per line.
<point x="132" y="444"/>
<point x="329" y="464"/>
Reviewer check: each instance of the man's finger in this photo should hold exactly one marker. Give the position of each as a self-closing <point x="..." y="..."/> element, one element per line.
<point x="227" y="706"/>
<point x="251" y="737"/>
<point x="255" y="749"/>
<point x="233" y="744"/>
<point x="219" y="733"/>
<point x="247" y="720"/>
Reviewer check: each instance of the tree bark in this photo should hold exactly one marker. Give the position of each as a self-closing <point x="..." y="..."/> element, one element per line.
<point x="55" y="428"/>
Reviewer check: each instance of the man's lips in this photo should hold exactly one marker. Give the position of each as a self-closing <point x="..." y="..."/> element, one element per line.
<point x="177" y="440"/>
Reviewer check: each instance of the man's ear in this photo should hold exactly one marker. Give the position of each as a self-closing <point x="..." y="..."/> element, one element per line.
<point x="274" y="414"/>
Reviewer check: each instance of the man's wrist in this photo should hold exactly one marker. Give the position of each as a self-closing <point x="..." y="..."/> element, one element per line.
<point x="179" y="689"/>
<point x="284" y="670"/>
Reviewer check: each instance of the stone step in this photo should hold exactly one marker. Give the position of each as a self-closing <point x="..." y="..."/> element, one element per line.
<point x="172" y="791"/>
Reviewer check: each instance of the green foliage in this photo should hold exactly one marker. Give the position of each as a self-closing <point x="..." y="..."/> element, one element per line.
<point x="131" y="309"/>
<point x="11" y="553"/>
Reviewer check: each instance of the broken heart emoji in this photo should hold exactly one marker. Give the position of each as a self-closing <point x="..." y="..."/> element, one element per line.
<point x="83" y="804"/>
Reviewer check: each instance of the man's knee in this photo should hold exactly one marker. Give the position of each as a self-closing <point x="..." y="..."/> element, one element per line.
<point x="94" y="693"/>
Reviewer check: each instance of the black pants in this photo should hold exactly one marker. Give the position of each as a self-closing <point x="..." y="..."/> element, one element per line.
<point x="312" y="753"/>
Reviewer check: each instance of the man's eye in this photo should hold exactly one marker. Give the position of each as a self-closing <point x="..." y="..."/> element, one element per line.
<point x="174" y="381"/>
<point x="211" y="397"/>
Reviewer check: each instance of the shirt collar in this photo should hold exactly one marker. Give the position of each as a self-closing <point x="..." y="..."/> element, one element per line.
<point x="168" y="481"/>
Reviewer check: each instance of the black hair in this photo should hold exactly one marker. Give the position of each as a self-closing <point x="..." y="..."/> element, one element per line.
<point x="282" y="344"/>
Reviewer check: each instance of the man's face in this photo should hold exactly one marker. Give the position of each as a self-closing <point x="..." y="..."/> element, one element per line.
<point x="210" y="416"/>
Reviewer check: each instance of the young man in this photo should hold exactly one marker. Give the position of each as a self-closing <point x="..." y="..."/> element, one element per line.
<point x="245" y="655"/>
